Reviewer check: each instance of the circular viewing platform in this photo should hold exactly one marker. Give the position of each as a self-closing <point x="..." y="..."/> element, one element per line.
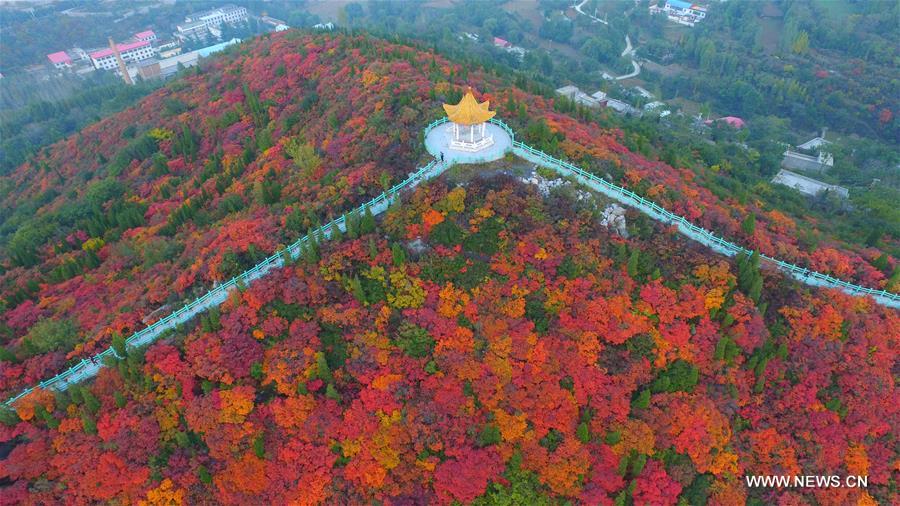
<point x="438" y="141"/>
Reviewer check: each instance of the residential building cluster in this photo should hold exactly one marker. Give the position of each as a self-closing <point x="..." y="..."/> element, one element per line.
<point x="200" y="25"/>
<point x="600" y="99"/>
<point x="145" y="55"/>
<point x="166" y="67"/>
<point x="131" y="52"/>
<point x="679" y="11"/>
<point x="139" y="48"/>
<point x="810" y="158"/>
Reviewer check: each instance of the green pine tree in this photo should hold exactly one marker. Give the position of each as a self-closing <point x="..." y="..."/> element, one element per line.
<point x="398" y="254"/>
<point x="88" y="424"/>
<point x="367" y="225"/>
<point x="323" y="371"/>
<point x="118" y="346"/>
<point x="583" y="432"/>
<point x="749" y="224"/>
<point x="357" y="290"/>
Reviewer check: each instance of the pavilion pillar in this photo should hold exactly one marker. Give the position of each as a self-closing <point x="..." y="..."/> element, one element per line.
<point x="471" y="133"/>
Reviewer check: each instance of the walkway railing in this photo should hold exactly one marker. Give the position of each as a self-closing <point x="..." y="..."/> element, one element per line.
<point x="695" y="232"/>
<point x="88" y="368"/>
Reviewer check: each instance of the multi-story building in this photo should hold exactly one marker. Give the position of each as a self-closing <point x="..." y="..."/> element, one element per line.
<point x="131" y="52"/>
<point x="192" y="29"/>
<point x="199" y="23"/>
<point x="167" y="67"/>
<point x="60" y="60"/>
<point x="145" y="36"/>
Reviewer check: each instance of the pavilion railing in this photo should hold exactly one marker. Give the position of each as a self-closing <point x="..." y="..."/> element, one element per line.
<point x="88" y="368"/>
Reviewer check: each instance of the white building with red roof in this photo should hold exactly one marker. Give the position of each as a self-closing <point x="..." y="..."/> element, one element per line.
<point x="60" y="59"/>
<point x="131" y="52"/>
<point x="145" y="36"/>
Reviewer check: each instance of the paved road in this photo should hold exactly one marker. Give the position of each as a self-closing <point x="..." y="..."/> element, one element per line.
<point x="596" y="20"/>
<point x="629" y="50"/>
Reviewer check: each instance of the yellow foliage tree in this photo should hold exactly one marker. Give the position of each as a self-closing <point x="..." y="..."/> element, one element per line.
<point x="451" y="301"/>
<point x="236" y="404"/>
<point x="512" y="427"/>
<point x="857" y="460"/>
<point x="453" y="202"/>
<point x="635" y="435"/>
<point x="166" y="494"/>
<point x="405" y="291"/>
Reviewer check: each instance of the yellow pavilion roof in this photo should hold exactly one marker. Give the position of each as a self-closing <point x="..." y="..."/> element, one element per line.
<point x="468" y="111"/>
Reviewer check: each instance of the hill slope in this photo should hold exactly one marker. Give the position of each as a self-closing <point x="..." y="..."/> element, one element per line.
<point x="202" y="178"/>
<point x="484" y="342"/>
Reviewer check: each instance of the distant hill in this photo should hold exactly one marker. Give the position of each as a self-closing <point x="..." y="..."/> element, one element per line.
<point x="481" y="342"/>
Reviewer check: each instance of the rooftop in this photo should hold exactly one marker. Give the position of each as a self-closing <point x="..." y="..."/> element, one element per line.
<point x="469" y="111"/>
<point x="188" y="25"/>
<point x="680" y="4"/>
<point x="144" y="35"/>
<point x="814" y="143"/>
<point x="807" y="185"/>
<point x="206" y="51"/>
<point x="59" y="57"/>
<point x="121" y="47"/>
<point x="732" y="121"/>
<point x="211" y="12"/>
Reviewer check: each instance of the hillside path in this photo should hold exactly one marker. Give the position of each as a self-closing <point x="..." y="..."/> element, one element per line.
<point x="89" y="368"/>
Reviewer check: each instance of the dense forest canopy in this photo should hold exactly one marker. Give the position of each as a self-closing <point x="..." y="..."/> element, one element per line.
<point x="830" y="66"/>
<point x="740" y="60"/>
<point x="481" y="343"/>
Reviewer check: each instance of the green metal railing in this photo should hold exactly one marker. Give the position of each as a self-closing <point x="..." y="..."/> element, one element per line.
<point x="88" y="368"/>
<point x="695" y="232"/>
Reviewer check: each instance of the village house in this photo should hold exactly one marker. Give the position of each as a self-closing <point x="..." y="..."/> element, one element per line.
<point x="808" y="185"/>
<point x="503" y="43"/>
<point x="576" y="95"/>
<point x="732" y="121"/>
<point x="818" y="161"/>
<point x="60" y="60"/>
<point x="681" y="12"/>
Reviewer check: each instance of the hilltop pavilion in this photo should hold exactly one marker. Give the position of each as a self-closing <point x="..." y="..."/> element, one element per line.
<point x="469" y="119"/>
<point x="468" y="134"/>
